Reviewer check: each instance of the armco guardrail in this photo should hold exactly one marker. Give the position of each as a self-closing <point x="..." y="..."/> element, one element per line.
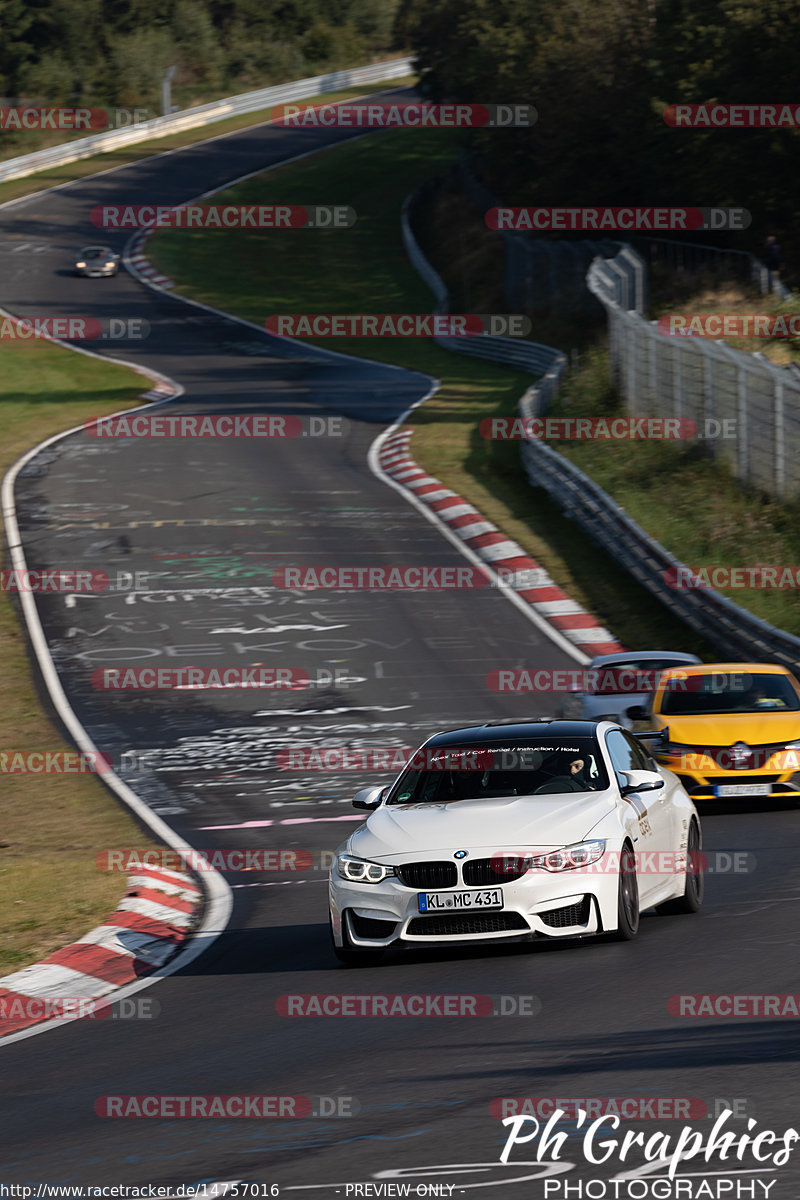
<point x="515" y="352"/>
<point x="754" y="402"/>
<point x="546" y="271"/>
<point x="735" y="633"/>
<point x="204" y="114"/>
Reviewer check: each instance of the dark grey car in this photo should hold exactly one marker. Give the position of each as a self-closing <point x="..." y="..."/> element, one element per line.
<point x="617" y="677"/>
<point x="94" y="261"/>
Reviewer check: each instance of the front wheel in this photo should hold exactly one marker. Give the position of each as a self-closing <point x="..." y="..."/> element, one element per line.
<point x="351" y="956"/>
<point x="694" y="882"/>
<point x="627" y="898"/>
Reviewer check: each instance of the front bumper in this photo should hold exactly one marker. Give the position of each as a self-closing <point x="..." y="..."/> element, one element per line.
<point x="702" y="776"/>
<point x="95" y="272"/>
<point x="561" y="905"/>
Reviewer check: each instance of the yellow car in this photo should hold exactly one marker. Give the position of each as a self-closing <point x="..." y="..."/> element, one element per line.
<point x="727" y="729"/>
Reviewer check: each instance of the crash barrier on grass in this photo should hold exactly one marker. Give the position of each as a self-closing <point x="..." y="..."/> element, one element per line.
<point x="734" y="632"/>
<point x="748" y="407"/>
<point x="550" y="273"/>
<point x="204" y="114"/>
<point x="515" y="352"/>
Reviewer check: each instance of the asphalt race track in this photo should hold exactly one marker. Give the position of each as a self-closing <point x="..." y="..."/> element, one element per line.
<point x="207" y="520"/>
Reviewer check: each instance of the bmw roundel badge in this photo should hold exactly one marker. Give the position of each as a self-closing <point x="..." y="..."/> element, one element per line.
<point x="461" y="854"/>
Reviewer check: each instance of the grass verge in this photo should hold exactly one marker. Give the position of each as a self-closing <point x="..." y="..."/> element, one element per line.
<point x="366" y="270"/>
<point x="51" y="892"/>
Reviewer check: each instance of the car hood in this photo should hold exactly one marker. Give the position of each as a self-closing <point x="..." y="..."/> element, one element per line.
<point x="546" y="822"/>
<point x="756" y="729"/>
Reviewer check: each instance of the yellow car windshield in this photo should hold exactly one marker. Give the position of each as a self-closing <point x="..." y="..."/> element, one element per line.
<point x="722" y="692"/>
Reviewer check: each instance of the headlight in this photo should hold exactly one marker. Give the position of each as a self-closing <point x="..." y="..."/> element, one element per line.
<point x="568" y="859"/>
<point x="109" y="264"/>
<point x="80" y="264"/>
<point x="358" y="870"/>
<point x="792" y="746"/>
<point x="674" y="749"/>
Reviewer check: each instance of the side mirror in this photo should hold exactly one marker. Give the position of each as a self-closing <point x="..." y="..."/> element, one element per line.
<point x="369" y="798"/>
<point x="636" y="712"/>
<point x="641" y="781"/>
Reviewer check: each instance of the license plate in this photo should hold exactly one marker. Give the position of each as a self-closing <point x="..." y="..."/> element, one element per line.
<point x="743" y="789"/>
<point x="456" y="901"/>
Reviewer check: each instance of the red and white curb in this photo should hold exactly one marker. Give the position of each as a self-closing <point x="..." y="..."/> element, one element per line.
<point x="154" y="918"/>
<point x="524" y="576"/>
<point x="162" y="391"/>
<point x="141" y="264"/>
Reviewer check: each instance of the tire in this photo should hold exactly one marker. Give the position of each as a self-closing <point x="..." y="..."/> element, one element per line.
<point x="694" y="883"/>
<point x="627" y="898"/>
<point x="350" y="956"/>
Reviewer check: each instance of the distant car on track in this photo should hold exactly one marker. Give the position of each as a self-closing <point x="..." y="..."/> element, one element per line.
<point x="94" y="261"/>
<point x="727" y="729"/>
<point x="515" y="830"/>
<point x="618" y="676"/>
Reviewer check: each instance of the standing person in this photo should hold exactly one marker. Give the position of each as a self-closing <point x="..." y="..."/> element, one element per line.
<point x="773" y="258"/>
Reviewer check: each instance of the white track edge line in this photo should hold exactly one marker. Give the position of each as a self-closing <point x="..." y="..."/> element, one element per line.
<point x="218" y="895"/>
<point x="534" y="617"/>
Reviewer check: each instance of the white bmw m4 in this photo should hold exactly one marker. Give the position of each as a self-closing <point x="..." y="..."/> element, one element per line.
<point x="516" y="830"/>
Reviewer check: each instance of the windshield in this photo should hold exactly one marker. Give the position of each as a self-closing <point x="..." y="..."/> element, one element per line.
<point x="728" y="692"/>
<point x="437" y="775"/>
<point x="94" y="252"/>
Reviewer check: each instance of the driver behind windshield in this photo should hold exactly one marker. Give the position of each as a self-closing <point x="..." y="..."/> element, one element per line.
<point x="563" y="772"/>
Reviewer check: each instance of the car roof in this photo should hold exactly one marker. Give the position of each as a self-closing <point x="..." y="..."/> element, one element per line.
<point x="742" y="668"/>
<point x="96" y="246"/>
<point x="607" y="660"/>
<point x="497" y="733"/>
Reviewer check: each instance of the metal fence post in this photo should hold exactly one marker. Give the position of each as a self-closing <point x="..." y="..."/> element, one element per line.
<point x="742" y="430"/>
<point x="780" y="440"/>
